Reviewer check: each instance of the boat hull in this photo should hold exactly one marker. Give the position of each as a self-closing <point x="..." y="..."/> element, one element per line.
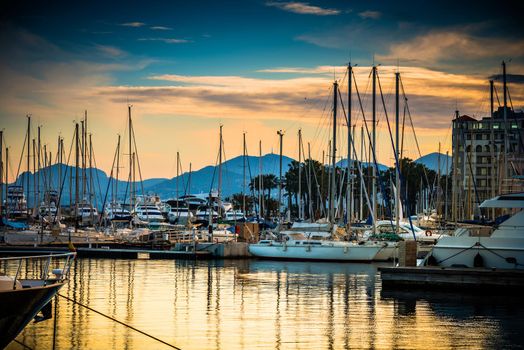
<point x="18" y="307"/>
<point x="315" y="252"/>
<point x="499" y="253"/>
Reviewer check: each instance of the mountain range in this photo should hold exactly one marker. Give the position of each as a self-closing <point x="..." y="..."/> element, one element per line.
<point x="201" y="181"/>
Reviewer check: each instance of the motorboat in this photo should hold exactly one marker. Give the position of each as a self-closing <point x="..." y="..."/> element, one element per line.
<point x="148" y="213"/>
<point x="26" y="291"/>
<point x="234" y="216"/>
<point x="407" y="231"/>
<point x="500" y="246"/>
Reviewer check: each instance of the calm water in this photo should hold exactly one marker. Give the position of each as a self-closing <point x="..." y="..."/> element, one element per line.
<point x="266" y="305"/>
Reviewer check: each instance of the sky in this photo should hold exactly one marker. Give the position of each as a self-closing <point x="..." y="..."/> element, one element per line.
<point x="254" y="67"/>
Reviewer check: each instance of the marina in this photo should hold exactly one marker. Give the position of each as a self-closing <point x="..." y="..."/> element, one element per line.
<point x="261" y="175"/>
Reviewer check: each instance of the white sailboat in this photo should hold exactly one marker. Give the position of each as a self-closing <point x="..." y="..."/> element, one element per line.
<point x="302" y="246"/>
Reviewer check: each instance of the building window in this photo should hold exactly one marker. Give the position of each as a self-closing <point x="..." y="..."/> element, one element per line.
<point x="478" y="148"/>
<point x="496" y="125"/>
<point x="514" y="125"/>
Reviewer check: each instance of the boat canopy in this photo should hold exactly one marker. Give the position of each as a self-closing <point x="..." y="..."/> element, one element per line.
<point x="514" y="200"/>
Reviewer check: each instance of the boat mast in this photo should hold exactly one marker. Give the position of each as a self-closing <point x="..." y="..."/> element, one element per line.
<point x="374" y="147"/>
<point x="281" y="136"/>
<point x="333" y="157"/>
<point x="219" y="204"/>
<point x="189" y="180"/>
<point x="397" y="155"/>
<point x="115" y="197"/>
<point x="349" y="184"/>
<point x="28" y="160"/>
<point x="131" y="184"/>
<point x="506" y="146"/>
<point x="37" y="194"/>
<point x="492" y="148"/>
<point x="300" y="208"/>
<point x="177" y="179"/>
<point x="6" y="181"/>
<point x="310" y="201"/>
<point x="260" y="192"/>
<point x="361" y="201"/>
<point x="244" y="175"/>
<point x="77" y="160"/>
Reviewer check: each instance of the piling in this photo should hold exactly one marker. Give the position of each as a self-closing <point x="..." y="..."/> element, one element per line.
<point x="408" y="253"/>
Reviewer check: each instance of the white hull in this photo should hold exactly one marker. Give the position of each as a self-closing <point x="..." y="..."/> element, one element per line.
<point x="301" y="250"/>
<point x="461" y="251"/>
<point x="387" y="253"/>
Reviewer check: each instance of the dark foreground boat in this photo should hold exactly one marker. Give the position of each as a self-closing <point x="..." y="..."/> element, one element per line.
<point x="23" y="297"/>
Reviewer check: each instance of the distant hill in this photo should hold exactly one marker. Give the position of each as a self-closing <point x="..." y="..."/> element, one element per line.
<point x="202" y="180"/>
<point x="431" y="162"/>
<point x="381" y="167"/>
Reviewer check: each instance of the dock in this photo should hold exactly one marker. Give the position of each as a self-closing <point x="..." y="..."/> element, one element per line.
<point x="452" y="279"/>
<point x="107" y="252"/>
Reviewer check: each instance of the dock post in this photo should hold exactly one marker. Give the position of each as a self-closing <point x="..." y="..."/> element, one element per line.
<point x="408" y="253"/>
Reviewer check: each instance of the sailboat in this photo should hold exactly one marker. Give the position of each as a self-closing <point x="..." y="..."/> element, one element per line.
<point x="309" y="245"/>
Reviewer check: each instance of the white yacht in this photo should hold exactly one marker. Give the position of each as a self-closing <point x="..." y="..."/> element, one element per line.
<point x="178" y="212"/>
<point x="296" y="246"/>
<point x="148" y="213"/>
<point x="499" y="247"/>
<point x="86" y="213"/>
<point x="115" y="212"/>
<point x="234" y="215"/>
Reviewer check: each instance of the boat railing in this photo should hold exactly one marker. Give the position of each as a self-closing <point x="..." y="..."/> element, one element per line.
<point x="36" y="267"/>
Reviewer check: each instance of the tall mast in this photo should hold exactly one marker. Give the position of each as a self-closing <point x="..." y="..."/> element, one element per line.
<point x="244" y="175"/>
<point x="300" y="208"/>
<point x="260" y="192"/>
<point x="506" y="145"/>
<point x="77" y="161"/>
<point x="333" y="157"/>
<point x="38" y="150"/>
<point x="360" y="197"/>
<point x="35" y="200"/>
<point x="310" y="195"/>
<point x="131" y="187"/>
<point x="177" y="180"/>
<point x="115" y="198"/>
<point x="91" y="190"/>
<point x="373" y="147"/>
<point x="6" y="180"/>
<point x="397" y="153"/>
<point x="492" y="148"/>
<point x="28" y="159"/>
<point x="281" y="136"/>
<point x="349" y="184"/>
<point x="220" y="173"/>
<point x="189" y="180"/>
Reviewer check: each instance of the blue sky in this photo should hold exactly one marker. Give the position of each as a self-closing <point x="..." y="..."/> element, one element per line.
<point x="250" y="65"/>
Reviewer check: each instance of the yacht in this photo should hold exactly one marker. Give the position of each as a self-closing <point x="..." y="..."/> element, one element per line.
<point x="15" y="205"/>
<point x="23" y="297"/>
<point x="86" y="213"/>
<point x="148" y="213"/>
<point x="234" y="216"/>
<point x="178" y="212"/>
<point x="115" y="212"/>
<point x="500" y="246"/>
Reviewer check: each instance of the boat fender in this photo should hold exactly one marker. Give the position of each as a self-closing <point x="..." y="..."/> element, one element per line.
<point x="478" y="261"/>
<point x="428" y="233"/>
<point x="431" y="261"/>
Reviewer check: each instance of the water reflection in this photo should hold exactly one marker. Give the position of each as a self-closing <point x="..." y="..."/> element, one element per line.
<point x="243" y="304"/>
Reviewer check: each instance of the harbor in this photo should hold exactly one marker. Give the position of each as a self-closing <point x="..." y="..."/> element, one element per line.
<point x="261" y="175"/>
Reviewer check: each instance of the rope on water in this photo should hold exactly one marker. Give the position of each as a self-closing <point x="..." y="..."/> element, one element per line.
<point x="120" y="322"/>
<point x="25" y="346"/>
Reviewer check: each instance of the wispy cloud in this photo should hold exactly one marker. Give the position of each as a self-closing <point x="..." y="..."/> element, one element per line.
<point x="160" y="28"/>
<point x="167" y="40"/>
<point x="370" y="14"/>
<point x="303" y="8"/>
<point x="111" y="51"/>
<point x="446" y="48"/>
<point x="133" y="24"/>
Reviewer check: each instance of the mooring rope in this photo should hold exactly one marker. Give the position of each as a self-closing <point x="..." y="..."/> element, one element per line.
<point x="120" y="322"/>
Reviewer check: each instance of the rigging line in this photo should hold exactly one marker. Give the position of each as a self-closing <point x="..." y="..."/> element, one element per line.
<point x="21" y="158"/>
<point x="108" y="185"/>
<point x="137" y="160"/>
<point x="515" y="117"/>
<point x="19" y="342"/>
<point x="61" y="191"/>
<point x="496" y="94"/>
<point x="97" y="176"/>
<point x="120" y="322"/>
<point x="413" y="127"/>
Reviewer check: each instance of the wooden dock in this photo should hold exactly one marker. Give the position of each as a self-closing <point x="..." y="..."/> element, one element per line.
<point x="109" y="253"/>
<point x="438" y="278"/>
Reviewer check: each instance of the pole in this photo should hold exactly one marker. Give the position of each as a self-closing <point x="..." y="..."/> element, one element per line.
<point x="28" y="160"/>
<point x="244" y="175"/>
<point x="260" y="192"/>
<point x="131" y="187"/>
<point x="374" y="147"/>
<point x="77" y="161"/>
<point x="1" y="171"/>
<point x="6" y="181"/>
<point x="281" y="136"/>
<point x="300" y="211"/>
<point x="333" y="157"/>
<point x="397" y="153"/>
<point x="349" y="184"/>
<point x="361" y="200"/>
<point x="311" y="216"/>
<point x="506" y="144"/>
<point x="115" y="199"/>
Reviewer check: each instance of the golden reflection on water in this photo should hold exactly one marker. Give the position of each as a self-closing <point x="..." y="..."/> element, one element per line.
<point x="245" y="304"/>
